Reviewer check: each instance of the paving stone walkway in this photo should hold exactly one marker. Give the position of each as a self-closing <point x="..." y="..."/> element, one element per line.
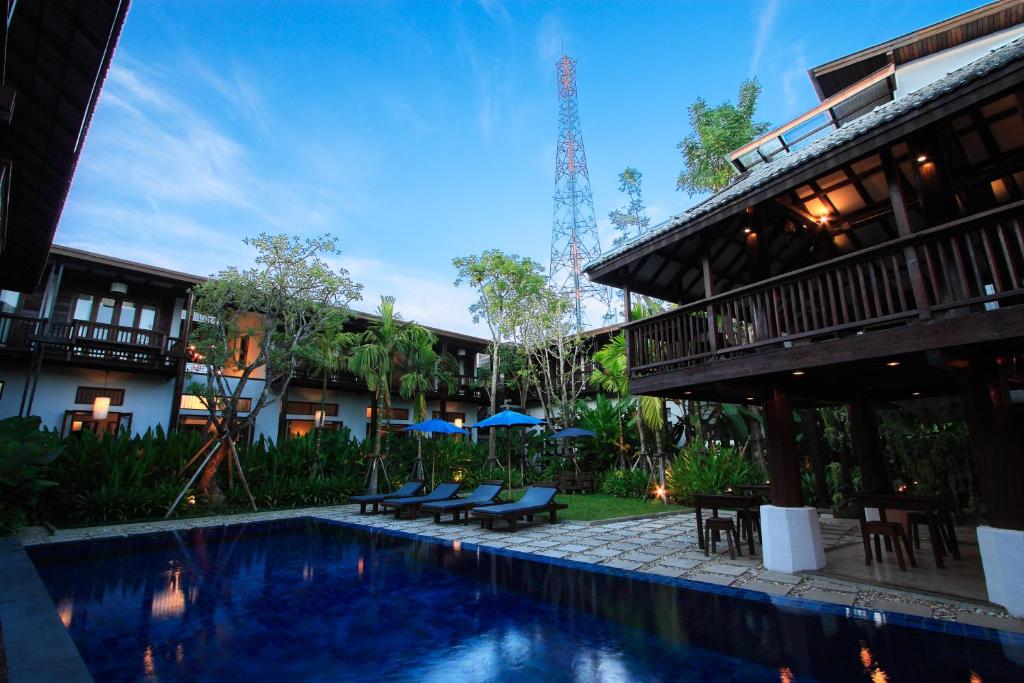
<point x="665" y="545"/>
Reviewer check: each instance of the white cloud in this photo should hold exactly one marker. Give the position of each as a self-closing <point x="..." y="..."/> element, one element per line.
<point x="551" y="38"/>
<point x="420" y="295"/>
<point x="794" y="83"/>
<point x="765" y="25"/>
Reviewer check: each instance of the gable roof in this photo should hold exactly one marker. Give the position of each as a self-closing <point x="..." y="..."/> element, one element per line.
<point x="995" y="64"/>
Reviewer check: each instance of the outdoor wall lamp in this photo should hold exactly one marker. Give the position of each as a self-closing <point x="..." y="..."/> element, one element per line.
<point x="100" y="407"/>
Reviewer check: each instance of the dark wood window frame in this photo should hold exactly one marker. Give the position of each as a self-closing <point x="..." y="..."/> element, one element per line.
<point x="86" y="395"/>
<point x="309" y="408"/>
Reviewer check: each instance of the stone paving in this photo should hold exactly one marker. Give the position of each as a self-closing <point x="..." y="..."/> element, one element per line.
<point x="665" y="545"/>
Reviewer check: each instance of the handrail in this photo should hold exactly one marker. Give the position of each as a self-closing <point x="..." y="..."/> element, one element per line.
<point x="839" y="261"/>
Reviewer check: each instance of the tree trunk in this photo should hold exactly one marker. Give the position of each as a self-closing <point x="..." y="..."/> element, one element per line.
<point x="641" y="431"/>
<point x="492" y="450"/>
<point x="376" y="445"/>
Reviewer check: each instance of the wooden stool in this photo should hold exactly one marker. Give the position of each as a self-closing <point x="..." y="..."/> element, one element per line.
<point x="750" y="520"/>
<point x="891" y="531"/>
<point x="716" y="524"/>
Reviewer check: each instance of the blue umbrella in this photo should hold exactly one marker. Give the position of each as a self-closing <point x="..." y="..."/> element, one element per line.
<point x="573" y="432"/>
<point x="509" y="418"/>
<point x="433" y="426"/>
<point x="570" y="433"/>
<point x="436" y="426"/>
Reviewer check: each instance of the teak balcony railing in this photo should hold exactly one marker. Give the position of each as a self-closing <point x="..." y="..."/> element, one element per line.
<point x="968" y="265"/>
<point x="92" y="342"/>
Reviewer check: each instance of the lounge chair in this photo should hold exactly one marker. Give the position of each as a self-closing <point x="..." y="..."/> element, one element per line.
<point x="410" y="488"/>
<point x="484" y="494"/>
<point x="444" y="491"/>
<point x="539" y="498"/>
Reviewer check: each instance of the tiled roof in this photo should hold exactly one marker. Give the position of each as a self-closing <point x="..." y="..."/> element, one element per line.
<point x="764" y="173"/>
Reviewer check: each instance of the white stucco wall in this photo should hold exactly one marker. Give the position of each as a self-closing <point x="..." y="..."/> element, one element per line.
<point x="147" y="397"/>
<point x="920" y="72"/>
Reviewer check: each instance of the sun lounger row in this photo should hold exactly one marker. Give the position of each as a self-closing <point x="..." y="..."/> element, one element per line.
<point x="481" y="503"/>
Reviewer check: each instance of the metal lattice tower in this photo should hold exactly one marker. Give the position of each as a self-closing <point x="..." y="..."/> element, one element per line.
<point x="574" y="239"/>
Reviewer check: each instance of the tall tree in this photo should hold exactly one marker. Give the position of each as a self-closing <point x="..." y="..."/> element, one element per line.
<point x="503" y="282"/>
<point x="631" y="220"/>
<point x="259" y="323"/>
<point x="716" y="132"/>
<point x="326" y="355"/>
<point x="379" y="355"/>
<point x="423" y="369"/>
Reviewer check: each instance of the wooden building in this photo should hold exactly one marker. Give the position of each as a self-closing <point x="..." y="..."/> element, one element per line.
<point x="870" y="250"/>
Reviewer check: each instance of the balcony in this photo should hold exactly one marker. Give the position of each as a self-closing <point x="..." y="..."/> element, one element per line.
<point x="968" y="266"/>
<point x="90" y="343"/>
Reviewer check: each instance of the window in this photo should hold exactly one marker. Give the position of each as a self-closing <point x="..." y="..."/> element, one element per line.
<point x="147" y="318"/>
<point x="105" y="313"/>
<point x="9" y="301"/>
<point x="193" y="402"/>
<point x="86" y="395"/>
<point x="77" y="421"/>
<point x="309" y="408"/>
<point x="396" y="413"/>
<point x="450" y="417"/>
<point x="83" y="307"/>
<point x="126" y="318"/>
<point x="297" y="428"/>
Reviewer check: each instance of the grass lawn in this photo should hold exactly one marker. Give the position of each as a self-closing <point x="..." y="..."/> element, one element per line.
<point x="590" y="506"/>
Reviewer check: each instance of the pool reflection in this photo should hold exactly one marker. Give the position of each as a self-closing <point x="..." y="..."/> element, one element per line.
<point x="301" y="599"/>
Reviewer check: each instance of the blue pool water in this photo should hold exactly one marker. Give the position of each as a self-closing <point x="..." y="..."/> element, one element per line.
<point x="307" y="600"/>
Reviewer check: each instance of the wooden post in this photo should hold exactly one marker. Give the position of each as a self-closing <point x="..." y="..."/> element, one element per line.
<point x="709" y="291"/>
<point x="996" y="440"/>
<point x="899" y="213"/>
<point x="783" y="464"/>
<point x="867" y="446"/>
<point x="809" y="419"/>
<point x="627" y="299"/>
<point x="179" y="377"/>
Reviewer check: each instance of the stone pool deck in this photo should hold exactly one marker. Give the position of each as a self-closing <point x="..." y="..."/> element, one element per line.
<point x="664" y="545"/>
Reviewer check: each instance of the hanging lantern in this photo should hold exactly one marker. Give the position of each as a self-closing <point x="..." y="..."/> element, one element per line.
<point x="100" y="407"/>
<point x="76" y="425"/>
<point x="318" y="418"/>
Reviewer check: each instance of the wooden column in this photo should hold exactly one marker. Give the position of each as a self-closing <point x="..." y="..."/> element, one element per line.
<point x="867" y="447"/>
<point x="709" y="291"/>
<point x="783" y="463"/>
<point x="996" y="441"/>
<point x="179" y="376"/>
<point x="812" y="437"/>
<point x="899" y="213"/>
<point x="627" y="299"/>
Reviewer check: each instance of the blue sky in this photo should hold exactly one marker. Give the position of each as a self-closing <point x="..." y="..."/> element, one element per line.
<point x="419" y="131"/>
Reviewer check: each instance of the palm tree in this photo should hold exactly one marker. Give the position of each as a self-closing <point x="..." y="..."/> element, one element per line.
<point x="378" y="355"/>
<point x="328" y="354"/>
<point x="423" y="370"/>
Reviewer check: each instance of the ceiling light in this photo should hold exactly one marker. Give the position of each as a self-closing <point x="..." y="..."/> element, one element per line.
<point x="893" y="364"/>
<point x="922" y="158"/>
<point x="750" y="398"/>
<point x="798" y="373"/>
<point x="747" y="230"/>
<point x="916" y="393"/>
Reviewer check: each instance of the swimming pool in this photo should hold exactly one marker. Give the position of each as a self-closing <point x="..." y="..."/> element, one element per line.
<point x="307" y="599"/>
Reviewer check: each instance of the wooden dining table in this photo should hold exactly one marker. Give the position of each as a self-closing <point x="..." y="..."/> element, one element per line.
<point x="936" y="510"/>
<point x="716" y="502"/>
<point x="763" y="490"/>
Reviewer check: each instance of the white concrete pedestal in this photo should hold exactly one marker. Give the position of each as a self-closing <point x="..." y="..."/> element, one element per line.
<point x="792" y="539"/>
<point x="1002" y="558"/>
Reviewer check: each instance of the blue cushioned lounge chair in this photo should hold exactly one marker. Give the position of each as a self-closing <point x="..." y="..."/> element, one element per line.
<point x="411" y="488"/>
<point x="538" y="499"/>
<point x="484" y="494"/>
<point x="444" y="491"/>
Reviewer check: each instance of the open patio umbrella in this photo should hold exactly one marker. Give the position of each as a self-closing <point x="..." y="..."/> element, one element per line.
<point x="573" y="433"/>
<point x="509" y="418"/>
<point x="432" y="426"/>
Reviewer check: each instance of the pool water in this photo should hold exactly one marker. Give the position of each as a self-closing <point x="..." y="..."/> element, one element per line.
<point x="311" y="600"/>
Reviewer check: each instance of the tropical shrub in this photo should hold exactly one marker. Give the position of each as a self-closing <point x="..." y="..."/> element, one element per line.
<point x="25" y="452"/>
<point x="709" y="468"/>
<point x="625" y="483"/>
